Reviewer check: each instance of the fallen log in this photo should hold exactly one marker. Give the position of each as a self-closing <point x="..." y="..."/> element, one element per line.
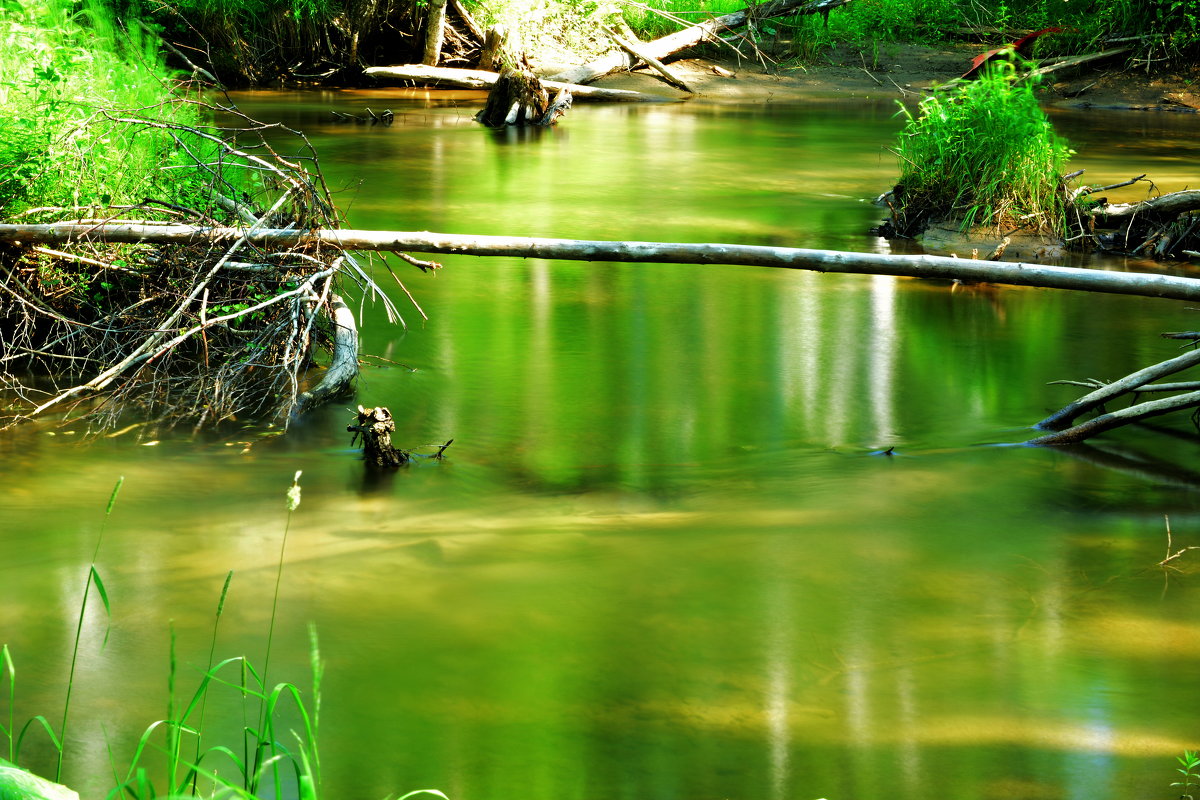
<point x="480" y="79"/>
<point x="1116" y="419"/>
<point x="1171" y="204"/>
<point x="672" y="43"/>
<point x="918" y="266"/>
<point x="1075" y="61"/>
<point x="1130" y="383"/>
<point x="639" y="53"/>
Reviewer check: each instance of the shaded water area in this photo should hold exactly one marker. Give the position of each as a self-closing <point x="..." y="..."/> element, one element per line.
<point x="661" y="559"/>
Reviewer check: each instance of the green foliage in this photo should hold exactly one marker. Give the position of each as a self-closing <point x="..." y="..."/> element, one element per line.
<point x="71" y="74"/>
<point x="552" y="30"/>
<point x="1189" y="768"/>
<point x="984" y="153"/>
<point x="648" y="24"/>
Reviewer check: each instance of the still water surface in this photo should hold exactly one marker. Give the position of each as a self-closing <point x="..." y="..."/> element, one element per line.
<point x="661" y="560"/>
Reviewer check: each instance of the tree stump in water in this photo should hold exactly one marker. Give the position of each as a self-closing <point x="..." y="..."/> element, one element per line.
<point x="376" y="425"/>
<point x="518" y="98"/>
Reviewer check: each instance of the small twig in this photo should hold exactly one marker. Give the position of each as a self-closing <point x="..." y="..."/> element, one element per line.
<point x="424" y="266"/>
<point x="46" y="251"/>
<point x="1172" y="556"/>
<point x="404" y="289"/>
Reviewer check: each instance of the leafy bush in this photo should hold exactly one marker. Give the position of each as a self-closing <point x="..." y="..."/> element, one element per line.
<point x="69" y="72"/>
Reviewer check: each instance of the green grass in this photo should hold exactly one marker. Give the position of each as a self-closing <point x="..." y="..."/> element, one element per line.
<point x="982" y="154"/>
<point x="1171" y="27"/>
<point x="270" y="760"/>
<point x="68" y="70"/>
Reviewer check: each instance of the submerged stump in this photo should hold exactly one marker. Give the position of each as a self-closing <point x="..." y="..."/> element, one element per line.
<point x="519" y="98"/>
<point x="376" y="426"/>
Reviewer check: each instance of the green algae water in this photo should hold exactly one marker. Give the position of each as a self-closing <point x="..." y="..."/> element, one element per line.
<point x="664" y="557"/>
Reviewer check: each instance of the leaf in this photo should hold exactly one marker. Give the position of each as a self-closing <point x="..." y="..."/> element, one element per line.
<point x="17" y="784"/>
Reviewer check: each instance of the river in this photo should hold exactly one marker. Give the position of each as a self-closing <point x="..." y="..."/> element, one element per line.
<point x="664" y="557"/>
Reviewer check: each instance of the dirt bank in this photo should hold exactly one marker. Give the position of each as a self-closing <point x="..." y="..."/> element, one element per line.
<point x="904" y="71"/>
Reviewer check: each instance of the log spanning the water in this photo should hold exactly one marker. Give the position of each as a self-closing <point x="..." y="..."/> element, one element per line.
<point x="915" y="266"/>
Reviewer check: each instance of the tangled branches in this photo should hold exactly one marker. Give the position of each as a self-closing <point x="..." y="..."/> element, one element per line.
<point x="201" y="332"/>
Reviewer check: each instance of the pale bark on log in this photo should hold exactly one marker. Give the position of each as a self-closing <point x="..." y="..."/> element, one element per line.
<point x="1074" y="61"/>
<point x="688" y="37"/>
<point x="1116" y="419"/>
<point x="1132" y="382"/>
<point x="655" y="64"/>
<point x="343" y="366"/>
<point x="480" y="79"/>
<point x="918" y="266"/>
<point x="1171" y="204"/>
<point x="435" y="32"/>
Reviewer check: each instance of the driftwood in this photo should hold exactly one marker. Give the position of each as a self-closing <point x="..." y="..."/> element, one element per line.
<point x="1136" y="383"/>
<point x="1115" y="419"/>
<point x="480" y="79"/>
<point x="918" y="266"/>
<point x="1075" y="61"/>
<point x="338" y="379"/>
<point x="1165" y="226"/>
<point x="668" y="45"/>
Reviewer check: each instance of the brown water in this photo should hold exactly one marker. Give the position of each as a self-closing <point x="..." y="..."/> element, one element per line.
<point x="661" y="560"/>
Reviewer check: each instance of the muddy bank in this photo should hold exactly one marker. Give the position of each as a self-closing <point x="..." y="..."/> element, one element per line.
<point x="905" y="71"/>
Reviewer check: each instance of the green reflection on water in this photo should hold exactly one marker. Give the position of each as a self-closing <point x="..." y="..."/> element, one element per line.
<point x="659" y="561"/>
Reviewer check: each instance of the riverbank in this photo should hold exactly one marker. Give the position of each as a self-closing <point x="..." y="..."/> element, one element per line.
<point x="905" y="71"/>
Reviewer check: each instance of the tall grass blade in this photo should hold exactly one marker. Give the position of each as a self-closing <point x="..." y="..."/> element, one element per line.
<point x="10" y="672"/>
<point x="212" y="649"/>
<point x="92" y="578"/>
<point x="293" y="502"/>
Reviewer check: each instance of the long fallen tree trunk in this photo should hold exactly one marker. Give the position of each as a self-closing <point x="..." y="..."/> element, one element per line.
<point x="481" y="79"/>
<point x="672" y="43"/>
<point x="917" y="266"/>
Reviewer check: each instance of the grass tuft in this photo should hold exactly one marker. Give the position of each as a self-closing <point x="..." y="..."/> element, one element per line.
<point x="981" y="154"/>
